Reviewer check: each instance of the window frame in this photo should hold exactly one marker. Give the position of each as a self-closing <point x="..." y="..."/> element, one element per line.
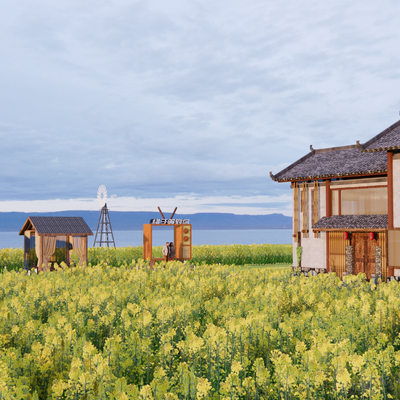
<point x="339" y="190"/>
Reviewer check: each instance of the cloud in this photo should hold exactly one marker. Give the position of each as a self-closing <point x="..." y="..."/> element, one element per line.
<point x="188" y="204"/>
<point x="164" y="99"/>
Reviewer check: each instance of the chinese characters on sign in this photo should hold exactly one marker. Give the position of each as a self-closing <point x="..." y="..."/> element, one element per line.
<point x="169" y="221"/>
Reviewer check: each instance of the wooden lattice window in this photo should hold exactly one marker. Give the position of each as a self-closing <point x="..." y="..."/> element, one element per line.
<point x="304" y="203"/>
<point x="315" y="206"/>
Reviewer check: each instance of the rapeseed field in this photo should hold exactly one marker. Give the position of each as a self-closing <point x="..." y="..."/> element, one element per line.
<point x="183" y="331"/>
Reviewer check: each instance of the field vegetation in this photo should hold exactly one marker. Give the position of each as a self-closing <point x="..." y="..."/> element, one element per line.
<point x="223" y="254"/>
<point x="196" y="332"/>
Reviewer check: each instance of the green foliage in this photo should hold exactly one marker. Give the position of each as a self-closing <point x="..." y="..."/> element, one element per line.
<point x="11" y="259"/>
<point x="224" y="254"/>
<point x="299" y="250"/>
<point x="32" y="258"/>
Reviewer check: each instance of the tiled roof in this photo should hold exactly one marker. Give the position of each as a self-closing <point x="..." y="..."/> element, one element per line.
<point x="354" y="222"/>
<point x="59" y="225"/>
<point x="335" y="162"/>
<point x="389" y="139"/>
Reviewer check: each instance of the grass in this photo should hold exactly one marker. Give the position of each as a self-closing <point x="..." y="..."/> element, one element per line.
<point x="267" y="266"/>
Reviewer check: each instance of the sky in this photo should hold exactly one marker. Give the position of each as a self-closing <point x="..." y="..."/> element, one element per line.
<point x="185" y="103"/>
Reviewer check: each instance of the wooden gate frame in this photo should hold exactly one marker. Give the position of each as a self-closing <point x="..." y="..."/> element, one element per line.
<point x="182" y="241"/>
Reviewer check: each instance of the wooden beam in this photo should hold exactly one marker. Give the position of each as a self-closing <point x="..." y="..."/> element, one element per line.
<point x="172" y="216"/>
<point x="159" y="209"/>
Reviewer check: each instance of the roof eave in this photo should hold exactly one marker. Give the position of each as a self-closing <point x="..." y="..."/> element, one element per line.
<point x="25" y="227"/>
<point x="274" y="177"/>
<point x="347" y="175"/>
<point x="350" y="229"/>
<point x="382" y="149"/>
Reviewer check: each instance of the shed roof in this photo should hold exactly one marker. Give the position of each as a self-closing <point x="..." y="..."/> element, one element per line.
<point x="389" y="139"/>
<point x="351" y="222"/>
<point x="73" y="226"/>
<point x="334" y="162"/>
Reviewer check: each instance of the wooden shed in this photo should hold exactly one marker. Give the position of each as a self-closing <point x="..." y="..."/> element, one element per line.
<point x="49" y="237"/>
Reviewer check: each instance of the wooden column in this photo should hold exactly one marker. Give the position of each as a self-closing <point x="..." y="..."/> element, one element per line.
<point x="390" y="269"/>
<point x="27" y="247"/>
<point x="328" y="198"/>
<point x="147" y="241"/>
<point x="328" y="206"/>
<point x="40" y="248"/>
<point x="67" y="250"/>
<point x="178" y="238"/>
<point x="296" y="211"/>
<point x="390" y="189"/>
<point x="305" y="209"/>
<point x="85" y="249"/>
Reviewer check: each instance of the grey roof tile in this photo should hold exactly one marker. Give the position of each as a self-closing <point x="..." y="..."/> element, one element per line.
<point x="61" y="225"/>
<point x="389" y="139"/>
<point x="335" y="162"/>
<point x="342" y="222"/>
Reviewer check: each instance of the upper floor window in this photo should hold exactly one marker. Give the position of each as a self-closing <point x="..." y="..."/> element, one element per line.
<point x="372" y="200"/>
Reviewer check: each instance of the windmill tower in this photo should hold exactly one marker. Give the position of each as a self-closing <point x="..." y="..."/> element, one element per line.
<point x="104" y="235"/>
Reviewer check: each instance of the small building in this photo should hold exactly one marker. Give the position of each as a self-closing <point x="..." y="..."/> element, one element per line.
<point x="182" y="238"/>
<point x="54" y="239"/>
<point x="346" y="207"/>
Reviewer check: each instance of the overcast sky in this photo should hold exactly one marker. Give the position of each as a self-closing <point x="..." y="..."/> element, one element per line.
<point x="185" y="103"/>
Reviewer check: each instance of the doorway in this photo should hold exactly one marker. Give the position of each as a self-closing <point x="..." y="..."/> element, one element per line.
<point x="364" y="254"/>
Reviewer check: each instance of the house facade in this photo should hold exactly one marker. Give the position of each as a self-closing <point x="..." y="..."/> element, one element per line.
<point x="346" y="207"/>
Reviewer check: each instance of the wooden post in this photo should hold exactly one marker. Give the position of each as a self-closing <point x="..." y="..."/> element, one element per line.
<point x="296" y="211"/>
<point x="147" y="241"/>
<point x="390" y="269"/>
<point x="178" y="241"/>
<point x="328" y="206"/>
<point x="67" y="250"/>
<point x="328" y="198"/>
<point x="159" y="209"/>
<point x="39" y="245"/>
<point x="305" y="209"/>
<point x="85" y="247"/>
<point x="390" y="189"/>
<point x="27" y="238"/>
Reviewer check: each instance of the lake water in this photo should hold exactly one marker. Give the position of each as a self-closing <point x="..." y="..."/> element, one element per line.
<point x="214" y="237"/>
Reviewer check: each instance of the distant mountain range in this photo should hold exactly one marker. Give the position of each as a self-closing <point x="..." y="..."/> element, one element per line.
<point x="134" y="220"/>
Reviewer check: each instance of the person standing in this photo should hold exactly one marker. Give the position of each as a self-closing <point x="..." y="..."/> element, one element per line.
<point x="165" y="251"/>
<point x="171" y="254"/>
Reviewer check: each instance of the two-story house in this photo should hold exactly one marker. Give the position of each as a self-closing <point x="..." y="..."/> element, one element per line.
<point x="346" y="207"/>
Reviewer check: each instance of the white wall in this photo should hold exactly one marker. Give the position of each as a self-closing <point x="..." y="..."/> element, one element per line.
<point x="314" y="249"/>
<point x="396" y="190"/>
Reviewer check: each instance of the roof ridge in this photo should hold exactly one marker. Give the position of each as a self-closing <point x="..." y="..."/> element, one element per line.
<point x="337" y="148"/>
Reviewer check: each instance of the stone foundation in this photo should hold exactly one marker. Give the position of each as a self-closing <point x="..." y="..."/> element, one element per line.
<point x="378" y="261"/>
<point x="309" y="271"/>
<point x="350" y="260"/>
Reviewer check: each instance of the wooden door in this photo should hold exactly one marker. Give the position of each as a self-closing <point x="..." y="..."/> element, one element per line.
<point x="364" y="254"/>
